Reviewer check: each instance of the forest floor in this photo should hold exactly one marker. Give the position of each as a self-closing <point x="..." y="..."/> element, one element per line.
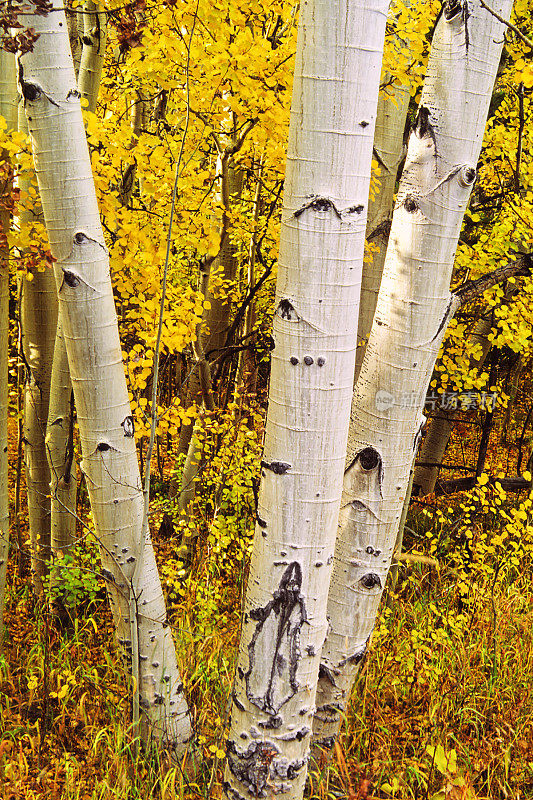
<point x="443" y="708"/>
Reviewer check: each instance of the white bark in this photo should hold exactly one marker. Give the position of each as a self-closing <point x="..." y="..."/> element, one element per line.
<point x="92" y="55"/>
<point x="38" y="314"/>
<point x="413" y="309"/>
<point x="88" y="319"/>
<point x="8" y="110"/>
<point x="62" y="464"/>
<point x="333" y="116"/>
<point x="388" y="149"/>
<point x="59" y="444"/>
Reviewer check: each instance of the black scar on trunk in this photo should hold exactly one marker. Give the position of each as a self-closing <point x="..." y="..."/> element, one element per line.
<point x="286" y="310"/>
<point x="270" y="685"/>
<point x="258" y="768"/>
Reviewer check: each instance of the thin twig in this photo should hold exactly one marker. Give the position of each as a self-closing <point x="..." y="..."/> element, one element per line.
<point x="516" y="30"/>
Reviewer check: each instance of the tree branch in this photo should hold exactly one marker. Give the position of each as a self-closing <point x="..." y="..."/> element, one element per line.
<point x="472" y="289"/>
<point x="516" y="30"/>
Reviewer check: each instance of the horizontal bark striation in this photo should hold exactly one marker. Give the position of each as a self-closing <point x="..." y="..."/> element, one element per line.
<point x="413" y="310"/>
<point x="321" y="253"/>
<point x="89" y="324"/>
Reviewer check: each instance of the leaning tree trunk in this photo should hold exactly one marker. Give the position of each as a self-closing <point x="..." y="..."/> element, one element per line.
<point x="388" y="150"/>
<point x="60" y="426"/>
<point x="413" y="309"/>
<point x="8" y="110"/>
<point x="327" y="180"/>
<point x="88" y="318"/>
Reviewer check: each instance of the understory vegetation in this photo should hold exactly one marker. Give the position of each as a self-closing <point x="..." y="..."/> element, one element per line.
<point x="442" y="708"/>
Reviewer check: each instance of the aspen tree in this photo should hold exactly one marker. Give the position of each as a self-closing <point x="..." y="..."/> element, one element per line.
<point x="389" y="149"/>
<point x="38" y="314"/>
<point x="59" y="430"/>
<point x="52" y="105"/>
<point x="414" y="307"/>
<point x="8" y="111"/>
<point x="333" y="115"/>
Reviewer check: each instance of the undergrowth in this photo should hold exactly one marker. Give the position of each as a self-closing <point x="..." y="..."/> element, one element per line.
<point x="442" y="709"/>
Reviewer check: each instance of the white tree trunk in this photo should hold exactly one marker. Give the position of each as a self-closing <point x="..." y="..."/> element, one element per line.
<point x="413" y="309"/>
<point x="38" y="314"/>
<point x="62" y="464"/>
<point x="89" y="323"/>
<point x="8" y="110"/>
<point x="59" y="444"/>
<point x="333" y="116"/>
<point x="92" y="55"/>
<point x="388" y="149"/>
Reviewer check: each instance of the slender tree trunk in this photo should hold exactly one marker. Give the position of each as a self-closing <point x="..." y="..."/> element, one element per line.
<point x="8" y="110"/>
<point x="38" y="314"/>
<point x="434" y="445"/>
<point x="92" y="55"/>
<point x="60" y="426"/>
<point x="60" y="452"/>
<point x="389" y="149"/>
<point x="329" y="154"/>
<point x="413" y="309"/>
<point x="88" y="318"/>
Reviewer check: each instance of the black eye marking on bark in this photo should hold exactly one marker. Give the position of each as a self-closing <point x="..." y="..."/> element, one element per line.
<point x="358" y="209"/>
<point x="370" y="581"/>
<point x="467" y="176"/>
<point x="423" y="126"/>
<point x="31" y="92"/>
<point x="261" y="522"/>
<point x="294" y="360"/>
<point x="364" y="123"/>
<point x="368" y="458"/>
<point x="327" y="673"/>
<point x="286" y="310"/>
<point x="86" y="40"/>
<point x="70" y="279"/>
<point x="319" y="204"/>
<point x="278" y="633"/>
<point x="129" y="426"/>
<point x="73" y="93"/>
<point x="80" y="237"/>
<point x="258" y="768"/>
<point x="321" y="361"/>
<point x="452" y="8"/>
<point x="277" y="467"/>
<point x="308" y="360"/>
<point x="410" y="204"/>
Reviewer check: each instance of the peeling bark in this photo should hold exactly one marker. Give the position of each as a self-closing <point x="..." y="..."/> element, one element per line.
<point x="413" y="309"/>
